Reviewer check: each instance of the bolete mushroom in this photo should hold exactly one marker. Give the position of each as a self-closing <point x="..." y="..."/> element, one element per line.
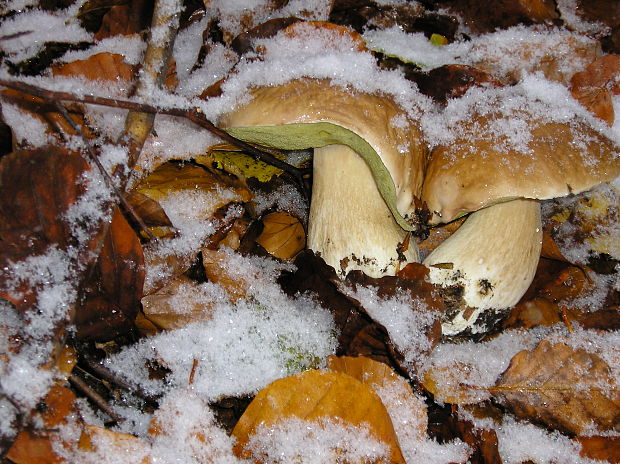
<point x="368" y="166"/>
<point x="490" y="261"/>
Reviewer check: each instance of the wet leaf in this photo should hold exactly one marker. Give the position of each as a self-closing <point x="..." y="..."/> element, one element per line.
<point x="36" y="189"/>
<point x="565" y="388"/>
<point x="113" y="292"/>
<point x="283" y="235"/>
<point x="313" y="395"/>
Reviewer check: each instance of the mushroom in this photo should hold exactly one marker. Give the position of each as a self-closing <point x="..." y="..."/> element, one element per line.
<point x="490" y="261"/>
<point x="368" y="166"/>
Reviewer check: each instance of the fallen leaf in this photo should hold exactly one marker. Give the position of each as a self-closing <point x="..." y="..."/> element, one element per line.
<point x="99" y="67"/>
<point x="113" y="291"/>
<point x="314" y="395"/>
<point x="601" y="448"/>
<point x="171" y="308"/>
<point x="244" y="42"/>
<point x="35" y="447"/>
<point x="565" y="388"/>
<point x="173" y="177"/>
<point x="283" y="235"/>
<point x="98" y="442"/>
<point x="215" y="263"/>
<point x="446" y="384"/>
<point x="304" y="29"/>
<point x="36" y="190"/>
<point x="152" y="214"/>
<point x="395" y="391"/>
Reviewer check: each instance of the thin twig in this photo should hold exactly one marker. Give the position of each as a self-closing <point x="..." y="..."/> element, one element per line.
<point x="95" y="398"/>
<point x="193" y="114"/>
<point x="95" y="159"/>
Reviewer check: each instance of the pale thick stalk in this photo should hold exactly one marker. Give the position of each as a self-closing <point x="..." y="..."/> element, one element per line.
<point x="493" y="257"/>
<point x="350" y="225"/>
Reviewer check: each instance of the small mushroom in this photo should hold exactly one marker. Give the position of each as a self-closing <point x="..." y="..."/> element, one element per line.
<point x="368" y="166"/>
<point x="490" y="261"/>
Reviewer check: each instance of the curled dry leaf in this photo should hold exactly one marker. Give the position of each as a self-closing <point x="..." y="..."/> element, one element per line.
<point x="283" y="235"/>
<point x="566" y="388"/>
<point x="313" y="396"/>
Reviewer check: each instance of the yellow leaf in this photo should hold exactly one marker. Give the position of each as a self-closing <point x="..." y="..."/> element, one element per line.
<point x="313" y="396"/>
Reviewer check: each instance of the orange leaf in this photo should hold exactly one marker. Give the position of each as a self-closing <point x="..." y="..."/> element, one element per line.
<point x="593" y="86"/>
<point x="36" y="448"/>
<point x="395" y="392"/>
<point x="99" y="67"/>
<point x="283" y="235"/>
<point x="313" y="396"/>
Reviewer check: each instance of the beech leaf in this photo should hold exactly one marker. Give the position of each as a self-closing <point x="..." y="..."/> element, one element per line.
<point x="566" y="388"/>
<point x="314" y="395"/>
<point x="283" y="235"/>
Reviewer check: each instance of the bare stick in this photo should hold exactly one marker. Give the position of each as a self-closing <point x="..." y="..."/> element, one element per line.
<point x="95" y="398"/>
<point x="193" y="114"/>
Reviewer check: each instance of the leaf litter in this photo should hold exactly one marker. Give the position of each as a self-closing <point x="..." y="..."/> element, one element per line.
<point x="235" y="323"/>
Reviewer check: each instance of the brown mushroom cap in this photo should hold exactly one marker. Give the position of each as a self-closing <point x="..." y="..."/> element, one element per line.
<point x="480" y="169"/>
<point x="375" y="118"/>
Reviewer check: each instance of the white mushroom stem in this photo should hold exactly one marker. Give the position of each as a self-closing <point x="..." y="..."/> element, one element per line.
<point x="350" y="225"/>
<point x="493" y="256"/>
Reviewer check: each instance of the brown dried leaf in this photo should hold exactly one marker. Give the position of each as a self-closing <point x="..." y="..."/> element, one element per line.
<point x="244" y="42"/>
<point x="602" y="448"/>
<point x="307" y="28"/>
<point x="125" y="19"/>
<point x="113" y="292"/>
<point x="446" y="384"/>
<point x="152" y="214"/>
<point x="565" y="388"/>
<point x="217" y="270"/>
<point x="283" y="235"/>
<point x="168" y="309"/>
<point x="36" y="189"/>
<point x="311" y="396"/>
